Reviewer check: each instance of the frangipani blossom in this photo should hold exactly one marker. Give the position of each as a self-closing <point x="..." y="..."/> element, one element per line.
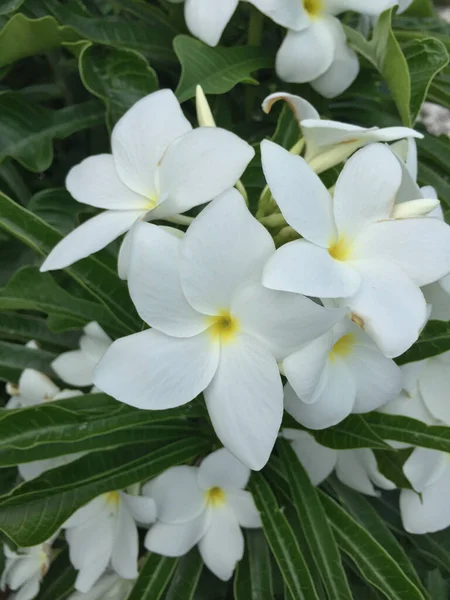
<point x="328" y="143"/>
<point x="104" y="533"/>
<point x="204" y="505"/>
<point x="159" y="167"/>
<point x="215" y="328"/>
<point x="76" y="367"/>
<point x="109" y="587"/>
<point x="25" y="569"/>
<point x="339" y="373"/>
<point x="207" y="19"/>
<point x="317" y="51"/>
<point x="356" y="468"/>
<point x="353" y="250"/>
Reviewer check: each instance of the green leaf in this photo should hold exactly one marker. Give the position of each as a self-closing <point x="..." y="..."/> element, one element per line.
<point x="57" y="207"/>
<point x="373" y="561"/>
<point x="408" y="74"/>
<point x="22" y="37"/>
<point x="217" y="70"/>
<point x="153" y="42"/>
<point x="186" y="577"/>
<point x="59" y="581"/>
<point x="410" y="431"/>
<point x="23" y="328"/>
<point x="9" y="6"/>
<point x="288" y="131"/>
<point x="434" y="340"/>
<point x="117" y="76"/>
<point x="282" y="541"/>
<point x="437" y="586"/>
<point x="314" y="523"/>
<point x="33" y="511"/>
<point x="27" y="129"/>
<point x="153" y="577"/>
<point x="86" y="423"/>
<point x="14" y="358"/>
<point x="253" y="578"/>
<point x="390" y="464"/>
<point x="97" y="278"/>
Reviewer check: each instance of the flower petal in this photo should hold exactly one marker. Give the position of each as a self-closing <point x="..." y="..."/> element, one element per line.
<point x="439" y="300"/>
<point x="74" y="367"/>
<point x="301" y="108"/>
<point x="244" y="508"/>
<point x="87" y="512"/>
<point x="142" y="135"/>
<point x="207" y="20"/>
<point x="378" y="379"/>
<point x="198" y="167"/>
<point x="361" y="196"/>
<point x="30" y="590"/>
<point x="90" y="237"/>
<point x="289" y="13"/>
<point x="335" y="402"/>
<point x="244" y="400"/>
<point x="428" y="512"/>
<point x="434" y="385"/>
<point x="318" y="461"/>
<point x="304" y="268"/>
<point x="424" y="467"/>
<point x="304" y="55"/>
<point x="153" y="371"/>
<point x="222" y="469"/>
<point x="95" y="181"/>
<point x="177" y="494"/>
<point x="420" y="247"/>
<point x="391" y="306"/>
<point x="223" y="544"/>
<point x="223" y="248"/>
<point x="124" y="558"/>
<point x="142" y="509"/>
<point x="91" y="573"/>
<point x="154" y="283"/>
<point x="22" y="570"/>
<point x="35" y="388"/>
<point x="304" y="368"/>
<point x="351" y="471"/>
<point x="170" y="539"/>
<point x="302" y="197"/>
<point x="370" y="7"/>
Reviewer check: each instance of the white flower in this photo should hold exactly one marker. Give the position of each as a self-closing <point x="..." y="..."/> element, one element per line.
<point x="317" y="52"/>
<point x="215" y="328"/>
<point x="204" y="505"/>
<point x="109" y="587"/>
<point x="353" y="250"/>
<point x="356" y="468"/>
<point x="207" y="19"/>
<point x="339" y="373"/>
<point x="328" y="143"/>
<point x="77" y="366"/>
<point x="25" y="569"/>
<point x="104" y="533"/>
<point x="159" y="167"/>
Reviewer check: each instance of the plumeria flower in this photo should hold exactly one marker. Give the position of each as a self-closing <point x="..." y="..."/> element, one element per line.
<point x="317" y="52"/>
<point x="207" y="19"/>
<point x="76" y="367"/>
<point x="328" y="143"/>
<point x="104" y="533"/>
<point x="215" y="328"/>
<point x="159" y="167"/>
<point x="109" y="587"/>
<point x="25" y="569"/>
<point x="339" y="373"/>
<point x="204" y="505"/>
<point x="355" y="468"/>
<point x="353" y="249"/>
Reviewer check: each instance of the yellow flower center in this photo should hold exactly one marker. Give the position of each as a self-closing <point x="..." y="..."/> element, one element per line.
<point x="113" y="498"/>
<point x="343" y="347"/>
<point x="215" y="496"/>
<point x="223" y="327"/>
<point x="314" y="8"/>
<point x="341" y="249"/>
<point x="152" y="201"/>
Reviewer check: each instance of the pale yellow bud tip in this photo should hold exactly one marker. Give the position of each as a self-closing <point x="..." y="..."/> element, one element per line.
<point x="204" y="115"/>
<point x="414" y="208"/>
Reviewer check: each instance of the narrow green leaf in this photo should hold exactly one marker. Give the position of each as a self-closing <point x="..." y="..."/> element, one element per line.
<point x="23" y="328"/>
<point x="217" y="70"/>
<point x="316" y="528"/>
<point x="33" y="511"/>
<point x="9" y="6"/>
<point x="434" y="340"/>
<point x="437" y="586"/>
<point x="372" y="560"/>
<point x="22" y="37"/>
<point x="429" y="175"/>
<point x="27" y="129"/>
<point x="153" y="578"/>
<point x="118" y="76"/>
<point x="186" y="577"/>
<point x="14" y="358"/>
<point x="86" y="423"/>
<point x="282" y="541"/>
<point x="253" y="578"/>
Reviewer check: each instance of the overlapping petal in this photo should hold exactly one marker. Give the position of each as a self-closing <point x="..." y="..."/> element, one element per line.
<point x="222" y="469"/>
<point x="207" y="20"/>
<point x="318" y="461"/>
